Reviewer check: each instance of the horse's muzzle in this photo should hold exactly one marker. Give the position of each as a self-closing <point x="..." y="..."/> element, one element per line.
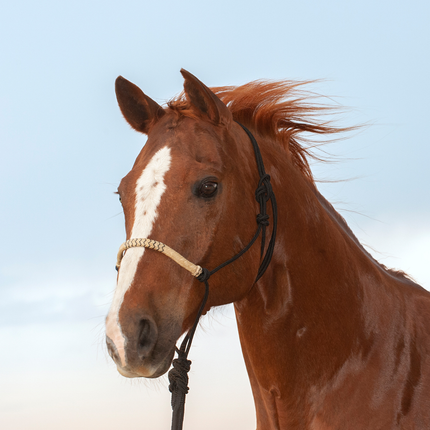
<point x="146" y="354"/>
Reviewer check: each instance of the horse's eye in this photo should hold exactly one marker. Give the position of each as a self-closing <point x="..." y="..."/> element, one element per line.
<point x="207" y="189"/>
<point x="119" y="197"/>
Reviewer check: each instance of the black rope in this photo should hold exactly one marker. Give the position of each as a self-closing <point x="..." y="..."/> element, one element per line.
<point x="178" y="375"/>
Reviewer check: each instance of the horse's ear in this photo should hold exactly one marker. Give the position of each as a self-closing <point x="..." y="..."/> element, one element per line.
<point x="204" y="100"/>
<point x="140" y="111"/>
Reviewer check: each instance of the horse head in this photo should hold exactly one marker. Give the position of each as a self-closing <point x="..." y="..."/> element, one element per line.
<point x="192" y="188"/>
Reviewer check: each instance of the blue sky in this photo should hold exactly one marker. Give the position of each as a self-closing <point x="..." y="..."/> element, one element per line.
<point x="65" y="147"/>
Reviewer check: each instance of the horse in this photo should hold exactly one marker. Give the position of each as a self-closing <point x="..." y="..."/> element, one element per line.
<point x="331" y="338"/>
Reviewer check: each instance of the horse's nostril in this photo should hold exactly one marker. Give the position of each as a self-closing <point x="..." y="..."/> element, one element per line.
<point x="147" y="338"/>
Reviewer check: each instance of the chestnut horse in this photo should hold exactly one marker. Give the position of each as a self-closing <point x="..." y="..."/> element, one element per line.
<point x="331" y="338"/>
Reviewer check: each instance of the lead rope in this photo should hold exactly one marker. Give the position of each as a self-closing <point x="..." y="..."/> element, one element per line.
<point x="178" y="375"/>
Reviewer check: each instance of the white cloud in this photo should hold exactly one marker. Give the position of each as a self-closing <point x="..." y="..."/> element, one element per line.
<point x="39" y="296"/>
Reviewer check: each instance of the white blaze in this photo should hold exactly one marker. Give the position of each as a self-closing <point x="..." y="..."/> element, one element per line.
<point x="149" y="189"/>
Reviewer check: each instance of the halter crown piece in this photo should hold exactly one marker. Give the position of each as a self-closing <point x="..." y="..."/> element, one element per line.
<point x="178" y="375"/>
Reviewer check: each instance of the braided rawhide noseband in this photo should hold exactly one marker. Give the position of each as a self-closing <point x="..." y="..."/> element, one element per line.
<point x="160" y="247"/>
<point x="178" y="375"/>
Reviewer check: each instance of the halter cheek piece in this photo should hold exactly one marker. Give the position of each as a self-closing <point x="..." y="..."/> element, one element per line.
<point x="178" y="375"/>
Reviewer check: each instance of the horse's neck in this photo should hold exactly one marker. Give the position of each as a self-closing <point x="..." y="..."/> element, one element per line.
<point x="304" y="318"/>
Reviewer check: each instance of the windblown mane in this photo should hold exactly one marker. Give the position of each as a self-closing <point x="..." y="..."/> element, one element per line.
<point x="280" y="110"/>
<point x="284" y="112"/>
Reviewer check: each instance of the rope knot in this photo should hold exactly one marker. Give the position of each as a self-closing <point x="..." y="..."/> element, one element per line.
<point x="264" y="188"/>
<point x="204" y="276"/>
<point x="263" y="219"/>
<point x="178" y="378"/>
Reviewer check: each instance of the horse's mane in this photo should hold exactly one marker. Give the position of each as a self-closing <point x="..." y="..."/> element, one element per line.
<point x="280" y="110"/>
<point x="284" y="112"/>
